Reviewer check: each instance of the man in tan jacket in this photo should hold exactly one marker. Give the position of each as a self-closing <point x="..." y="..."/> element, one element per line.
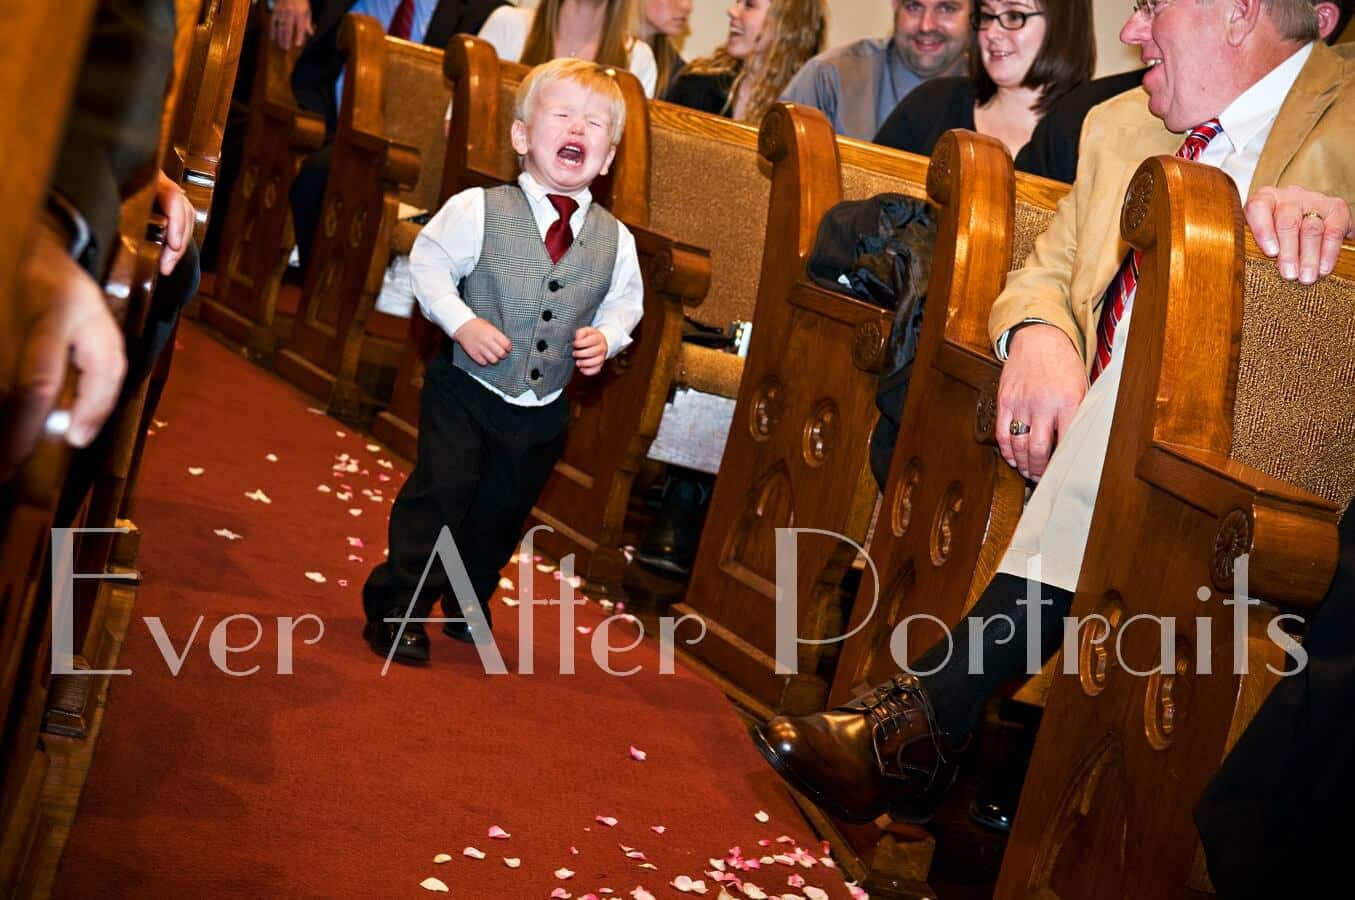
<point x="1239" y="84"/>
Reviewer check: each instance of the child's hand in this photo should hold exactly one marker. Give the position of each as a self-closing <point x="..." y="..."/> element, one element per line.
<point x="590" y="350"/>
<point x="483" y="342"/>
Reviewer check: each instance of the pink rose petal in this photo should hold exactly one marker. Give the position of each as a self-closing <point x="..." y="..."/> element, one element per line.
<point x="584" y="629"/>
<point x="657" y="829"/>
<point x="795" y="881"/>
<point x="560" y="894"/>
<point x="496" y="832"/>
<point x="563" y="874"/>
<point x="607" y="820"/>
<point x="637" y="754"/>
<point x="355" y="542"/>
<point x="641" y="894"/>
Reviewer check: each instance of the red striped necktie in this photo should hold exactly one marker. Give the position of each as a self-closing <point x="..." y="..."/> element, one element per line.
<point x="402" y="23"/>
<point x="1121" y="291"/>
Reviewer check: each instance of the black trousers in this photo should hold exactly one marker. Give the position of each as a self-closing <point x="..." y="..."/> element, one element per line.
<point x="308" y="200"/>
<point x="1278" y="817"/>
<point x="482" y="464"/>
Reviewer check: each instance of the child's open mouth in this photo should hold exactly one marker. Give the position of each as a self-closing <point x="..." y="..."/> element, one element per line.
<point x="571" y="154"/>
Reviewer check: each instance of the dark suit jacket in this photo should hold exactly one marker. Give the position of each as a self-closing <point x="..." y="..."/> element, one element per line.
<point x="1276" y="820"/>
<point x="319" y="65"/>
<point x="113" y="129"/>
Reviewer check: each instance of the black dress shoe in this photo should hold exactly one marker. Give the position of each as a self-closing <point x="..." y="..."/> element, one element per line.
<point x="881" y="753"/>
<point x="671" y="542"/>
<point x="412" y="647"/>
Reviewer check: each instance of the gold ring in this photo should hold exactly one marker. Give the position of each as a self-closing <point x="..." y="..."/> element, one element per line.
<point x="1017" y="427"/>
<point x="1313" y="214"/>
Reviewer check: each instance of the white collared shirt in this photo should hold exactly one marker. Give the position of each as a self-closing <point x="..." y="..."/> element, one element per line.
<point x="448" y="249"/>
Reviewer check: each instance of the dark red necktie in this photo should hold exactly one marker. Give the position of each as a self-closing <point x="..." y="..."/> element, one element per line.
<point x="559" y="236"/>
<point x="402" y="23"/>
<point x="1121" y="291"/>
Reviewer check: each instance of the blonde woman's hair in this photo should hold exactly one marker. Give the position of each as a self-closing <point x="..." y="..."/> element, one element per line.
<point x="613" y="50"/>
<point x="592" y="77"/>
<point x="667" y="58"/>
<point x="799" y="30"/>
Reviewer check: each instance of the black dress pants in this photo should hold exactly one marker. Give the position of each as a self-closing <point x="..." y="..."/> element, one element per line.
<point x="482" y="464"/>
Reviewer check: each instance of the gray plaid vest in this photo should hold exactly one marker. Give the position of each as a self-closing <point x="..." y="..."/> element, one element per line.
<point x="536" y="303"/>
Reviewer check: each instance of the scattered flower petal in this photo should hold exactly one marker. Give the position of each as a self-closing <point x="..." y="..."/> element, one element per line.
<point x="355" y="542"/>
<point x="605" y="604"/>
<point x="341" y="434"/>
<point x="442" y="858"/>
<point x="258" y="495"/>
<point x="374" y="448"/>
<point x="496" y="832"/>
<point x="313" y="411"/>
<point x="353" y="557"/>
<point x="584" y="629"/>
<point x="545" y="567"/>
<point x="649" y="865"/>
<point x="196" y="470"/>
<point x="574" y="851"/>
<point x="636" y="854"/>
<point x="324" y="488"/>
<point x="512" y="862"/>
<point x="857" y="892"/>
<point x="717" y="864"/>
<point x="795" y="880"/>
<point x="227" y="534"/>
<point x="509" y="601"/>
<point x="382" y="477"/>
<point x="576" y="581"/>
<point x="607" y="820"/>
<point x="433" y="884"/>
<point x="385" y="464"/>
<point x="272" y="457"/>
<point x="506" y="584"/>
<point x="639" y="756"/>
<point x="355" y="512"/>
<point x="685" y="884"/>
<point x="316" y="577"/>
<point x="657" y="829"/>
<point x="814" y="893"/>
<point x="560" y="894"/>
<point x="563" y="874"/>
<point x="473" y="853"/>
<point x="753" y="892"/>
<point x="641" y="894"/>
<point x="343" y="582"/>
<point x="762" y="816"/>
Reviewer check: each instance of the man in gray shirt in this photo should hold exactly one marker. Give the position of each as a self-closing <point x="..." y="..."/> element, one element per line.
<point x="858" y="85"/>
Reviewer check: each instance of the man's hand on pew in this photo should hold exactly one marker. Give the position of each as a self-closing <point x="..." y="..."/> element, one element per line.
<point x="590" y="350"/>
<point x="64" y="321"/>
<point x="178" y="209"/>
<point x="1302" y="229"/>
<point x="483" y="342"/>
<point x="291" y="23"/>
<point x="1043" y="381"/>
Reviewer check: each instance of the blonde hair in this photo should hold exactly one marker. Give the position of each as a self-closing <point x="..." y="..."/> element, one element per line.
<point x="613" y="49"/>
<point x="592" y="77"/>
<point x="799" y="29"/>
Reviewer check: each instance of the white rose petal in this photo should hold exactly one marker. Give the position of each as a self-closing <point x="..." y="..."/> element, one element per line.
<point x="562" y="874"/>
<point x="272" y="457"/>
<point x="512" y="862"/>
<point x="762" y="816"/>
<point x="433" y="884"/>
<point x="258" y="496"/>
<point x="442" y="858"/>
<point x="227" y="534"/>
<point x="473" y="853"/>
<point x="316" y="577"/>
<point x="196" y="470"/>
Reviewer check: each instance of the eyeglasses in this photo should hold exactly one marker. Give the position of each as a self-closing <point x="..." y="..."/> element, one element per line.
<point x="1009" y="19"/>
<point x="1151" y="8"/>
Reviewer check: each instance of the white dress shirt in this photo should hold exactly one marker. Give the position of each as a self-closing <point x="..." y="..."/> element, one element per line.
<point x="1051" y="537"/>
<point x="507" y="28"/>
<point x="448" y="249"/>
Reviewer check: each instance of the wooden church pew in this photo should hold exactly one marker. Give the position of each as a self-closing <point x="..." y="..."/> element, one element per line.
<point x="385" y="150"/>
<point x="1232" y="435"/>
<point x="797" y="454"/>
<point x="256" y="235"/>
<point x="950" y="503"/>
<point x="616" y="413"/>
<point x="38" y="75"/>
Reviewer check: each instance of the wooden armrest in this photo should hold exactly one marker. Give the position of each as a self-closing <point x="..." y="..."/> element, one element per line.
<point x="681" y="271"/>
<point x="872" y="323"/>
<point x="1289" y="533"/>
<point x="710" y="371"/>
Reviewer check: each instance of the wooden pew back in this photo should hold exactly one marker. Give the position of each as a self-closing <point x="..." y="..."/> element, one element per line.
<point x="1221" y="355"/>
<point x="950" y="503"/>
<point x="413" y="107"/>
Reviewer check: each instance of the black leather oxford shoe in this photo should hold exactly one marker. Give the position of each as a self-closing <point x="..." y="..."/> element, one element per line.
<point x="881" y="753"/>
<point x="411" y="648"/>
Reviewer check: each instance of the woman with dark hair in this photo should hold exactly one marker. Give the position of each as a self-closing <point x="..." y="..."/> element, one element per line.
<point x="1028" y="54"/>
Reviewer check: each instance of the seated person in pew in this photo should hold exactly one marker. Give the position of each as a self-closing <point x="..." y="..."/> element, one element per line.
<point x="1052" y="149"/>
<point x="523" y="303"/>
<point x="662" y="26"/>
<point x="769" y="40"/>
<point x="858" y="85"/>
<point x="597" y="30"/>
<point x="1271" y="828"/>
<point x="107" y="152"/>
<point x="317" y="80"/>
<point x="1254" y="93"/>
<point x="1029" y="54"/>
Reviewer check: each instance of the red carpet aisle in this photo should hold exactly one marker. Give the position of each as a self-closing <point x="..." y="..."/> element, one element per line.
<point x="337" y="782"/>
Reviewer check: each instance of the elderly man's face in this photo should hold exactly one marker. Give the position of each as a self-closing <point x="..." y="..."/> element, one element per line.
<point x="1185" y="44"/>
<point x="932" y="36"/>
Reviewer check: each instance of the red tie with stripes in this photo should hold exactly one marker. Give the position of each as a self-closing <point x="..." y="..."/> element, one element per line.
<point x="402" y="23"/>
<point x="1121" y="291"/>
